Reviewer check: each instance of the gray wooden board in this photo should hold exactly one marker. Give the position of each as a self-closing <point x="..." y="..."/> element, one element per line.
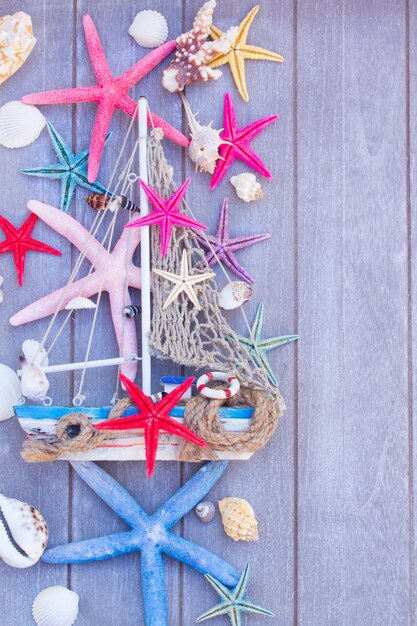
<point x="332" y="490"/>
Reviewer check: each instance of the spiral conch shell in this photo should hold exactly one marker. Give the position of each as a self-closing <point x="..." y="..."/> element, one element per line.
<point x="247" y="187"/>
<point x="238" y="518"/>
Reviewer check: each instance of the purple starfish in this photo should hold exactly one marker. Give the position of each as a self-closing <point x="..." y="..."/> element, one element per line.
<point x="223" y="247"/>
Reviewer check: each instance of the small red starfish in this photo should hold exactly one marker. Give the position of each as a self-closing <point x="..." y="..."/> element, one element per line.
<point x="237" y="143"/>
<point x="19" y="241"/>
<point x="153" y="418"/>
<point x="110" y="93"/>
<point x="166" y="214"/>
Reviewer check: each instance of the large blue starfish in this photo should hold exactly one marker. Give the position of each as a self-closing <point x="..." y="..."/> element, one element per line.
<point x="233" y="601"/>
<point x="71" y="170"/>
<point x="150" y="535"/>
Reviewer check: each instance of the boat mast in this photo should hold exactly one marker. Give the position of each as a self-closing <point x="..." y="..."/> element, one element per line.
<point x="145" y="250"/>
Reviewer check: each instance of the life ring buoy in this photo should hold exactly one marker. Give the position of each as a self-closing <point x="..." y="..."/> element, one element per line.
<point x="218" y="394"/>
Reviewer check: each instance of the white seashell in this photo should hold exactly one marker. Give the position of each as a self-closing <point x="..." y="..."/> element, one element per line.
<point x="10" y="391"/>
<point x="80" y="302"/>
<point x="35" y="384"/>
<point x="20" y="124"/>
<point x="55" y="606"/>
<point x="247" y="188"/>
<point x="234" y="294"/>
<point x="149" y="29"/>
<point x="23" y="533"/>
<point x="16" y="43"/>
<point x="35" y="353"/>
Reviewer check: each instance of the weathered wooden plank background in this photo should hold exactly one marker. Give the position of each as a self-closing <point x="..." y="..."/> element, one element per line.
<point x="334" y="490"/>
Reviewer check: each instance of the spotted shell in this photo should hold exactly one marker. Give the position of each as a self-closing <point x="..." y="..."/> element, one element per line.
<point x="16" y="43"/>
<point x="238" y="518"/>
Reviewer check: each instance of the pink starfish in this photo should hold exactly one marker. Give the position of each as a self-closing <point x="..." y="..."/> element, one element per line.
<point x="238" y="143"/>
<point x="110" y="93"/>
<point x="111" y="272"/>
<point x="166" y="214"/>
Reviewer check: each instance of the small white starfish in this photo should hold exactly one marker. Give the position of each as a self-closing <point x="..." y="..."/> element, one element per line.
<point x="183" y="282"/>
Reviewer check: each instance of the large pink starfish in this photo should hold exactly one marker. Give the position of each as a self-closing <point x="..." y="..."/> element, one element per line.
<point x="238" y="143"/>
<point x="110" y="93"/>
<point x="112" y="271"/>
<point x="166" y="214"/>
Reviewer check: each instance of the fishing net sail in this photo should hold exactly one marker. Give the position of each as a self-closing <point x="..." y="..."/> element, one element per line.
<point x="201" y="339"/>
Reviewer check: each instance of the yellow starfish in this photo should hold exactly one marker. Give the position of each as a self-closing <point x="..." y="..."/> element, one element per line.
<point x="240" y="51"/>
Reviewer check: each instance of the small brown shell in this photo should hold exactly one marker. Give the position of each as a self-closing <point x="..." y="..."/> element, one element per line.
<point x="238" y="519"/>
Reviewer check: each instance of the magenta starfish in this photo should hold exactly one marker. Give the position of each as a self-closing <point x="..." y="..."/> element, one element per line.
<point x="223" y="247"/>
<point x="238" y="143"/>
<point x="112" y="272"/>
<point x="166" y="214"/>
<point x="110" y="93"/>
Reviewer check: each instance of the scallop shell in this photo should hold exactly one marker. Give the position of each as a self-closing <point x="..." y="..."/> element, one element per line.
<point x="234" y="294"/>
<point x="20" y="124"/>
<point x="205" y="511"/>
<point x="10" y="392"/>
<point x="23" y="533"/>
<point x="80" y="302"/>
<point x="247" y="188"/>
<point x="16" y="43"/>
<point x="149" y="29"/>
<point x="238" y="518"/>
<point x="55" y="606"/>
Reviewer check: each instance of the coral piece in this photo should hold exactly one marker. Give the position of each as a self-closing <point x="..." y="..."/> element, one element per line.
<point x="237" y="143"/>
<point x="113" y="272"/>
<point x="16" y="43"/>
<point x="184" y="282"/>
<point x="221" y="247"/>
<point x="10" y="392"/>
<point x="149" y="29"/>
<point x="71" y="170"/>
<point x="166" y="214"/>
<point x="19" y="241"/>
<point x="205" y="511"/>
<point x="150" y="535"/>
<point x="55" y="606"/>
<point x="110" y="93"/>
<point x="246" y="186"/>
<point x="153" y="417"/>
<point x="233" y="601"/>
<point x="194" y="52"/>
<point x="23" y="533"/>
<point x="258" y="347"/>
<point x="20" y="124"/>
<point x="240" y="51"/>
<point x="238" y="519"/>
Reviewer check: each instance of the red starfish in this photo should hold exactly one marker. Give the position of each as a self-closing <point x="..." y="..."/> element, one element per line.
<point x="166" y="214"/>
<point x="238" y="143"/>
<point x="153" y="418"/>
<point x="110" y="93"/>
<point x="19" y="241"/>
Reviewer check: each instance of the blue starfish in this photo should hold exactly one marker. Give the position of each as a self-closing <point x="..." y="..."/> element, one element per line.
<point x="150" y="535"/>
<point x="71" y="170"/>
<point x="258" y="347"/>
<point x="233" y="601"/>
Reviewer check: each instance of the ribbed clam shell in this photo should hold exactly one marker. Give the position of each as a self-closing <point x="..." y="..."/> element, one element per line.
<point x="80" y="302"/>
<point x="247" y="187"/>
<point x="149" y="29"/>
<point x="23" y="533"/>
<point x="234" y="294"/>
<point x="20" y="124"/>
<point x="55" y="606"/>
<point x="238" y="518"/>
<point x="10" y="391"/>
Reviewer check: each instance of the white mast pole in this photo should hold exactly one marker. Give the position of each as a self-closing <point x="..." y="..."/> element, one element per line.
<point x="145" y="250"/>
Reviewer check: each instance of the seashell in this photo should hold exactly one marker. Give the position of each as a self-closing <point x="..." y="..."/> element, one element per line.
<point x="238" y="518"/>
<point x="132" y="311"/>
<point x="234" y="294"/>
<point x="10" y="391"/>
<point x="55" y="606"/>
<point x="33" y="379"/>
<point x="80" y="302"/>
<point x="35" y="353"/>
<point x="205" y="511"/>
<point x="100" y="202"/>
<point x="247" y="188"/>
<point x="20" y="124"/>
<point x="16" y="43"/>
<point x="149" y="29"/>
<point x="23" y="533"/>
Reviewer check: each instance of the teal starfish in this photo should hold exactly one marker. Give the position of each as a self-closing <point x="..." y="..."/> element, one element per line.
<point x="71" y="170"/>
<point x="258" y="347"/>
<point x="233" y="601"/>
